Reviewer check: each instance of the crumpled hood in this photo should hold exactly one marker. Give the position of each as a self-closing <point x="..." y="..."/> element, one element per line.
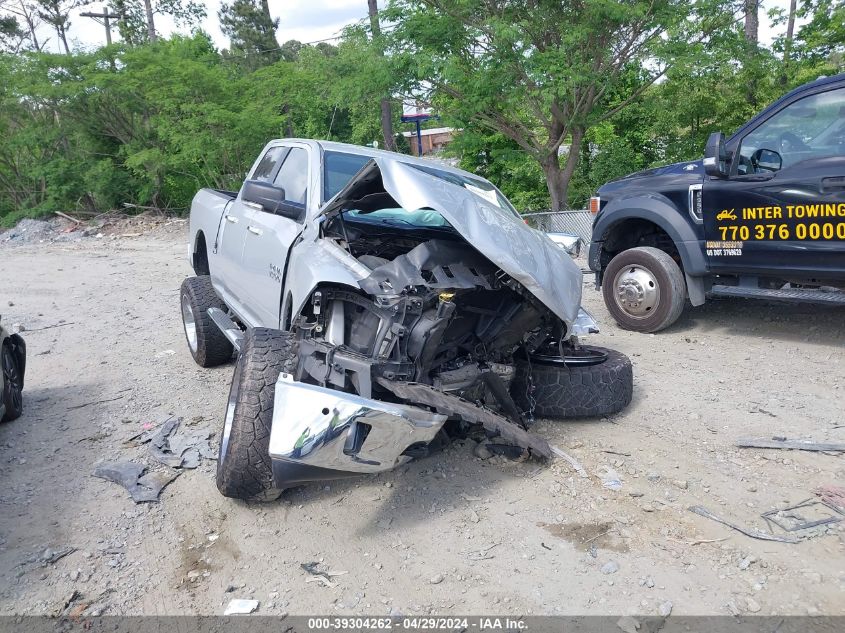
<point x="527" y="255"/>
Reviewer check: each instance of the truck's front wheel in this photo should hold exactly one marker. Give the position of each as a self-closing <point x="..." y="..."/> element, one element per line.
<point x="243" y="465"/>
<point x="644" y="289"/>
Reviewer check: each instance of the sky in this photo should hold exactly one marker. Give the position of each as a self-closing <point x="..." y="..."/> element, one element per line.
<point x="303" y="20"/>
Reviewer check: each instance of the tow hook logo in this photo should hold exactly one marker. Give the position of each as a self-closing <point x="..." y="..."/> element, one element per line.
<point x="726" y="215"/>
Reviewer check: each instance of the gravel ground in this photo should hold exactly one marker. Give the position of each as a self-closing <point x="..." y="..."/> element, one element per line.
<point x="448" y="534"/>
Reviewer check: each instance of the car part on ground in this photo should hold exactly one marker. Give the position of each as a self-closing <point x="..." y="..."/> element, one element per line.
<point x="207" y="344"/>
<point x="644" y="289"/>
<point x="587" y="382"/>
<point x="371" y="325"/>
<point x="12" y="370"/>
<point x="568" y="242"/>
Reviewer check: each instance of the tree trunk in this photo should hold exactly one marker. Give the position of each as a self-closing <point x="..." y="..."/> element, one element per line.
<point x="151" y="27"/>
<point x="752" y="21"/>
<point x="790" y="31"/>
<point x="30" y="23"/>
<point x="61" y="32"/>
<point x="386" y="106"/>
<point x="557" y="178"/>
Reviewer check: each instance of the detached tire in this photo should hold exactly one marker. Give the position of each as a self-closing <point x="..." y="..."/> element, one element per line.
<point x="206" y="342"/>
<point x="244" y="470"/>
<point x="562" y="391"/>
<point x="644" y="289"/>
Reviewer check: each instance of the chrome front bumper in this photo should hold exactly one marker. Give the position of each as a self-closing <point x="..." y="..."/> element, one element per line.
<point x="320" y="434"/>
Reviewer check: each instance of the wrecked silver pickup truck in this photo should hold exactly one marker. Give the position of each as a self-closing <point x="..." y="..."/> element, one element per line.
<point x="378" y="304"/>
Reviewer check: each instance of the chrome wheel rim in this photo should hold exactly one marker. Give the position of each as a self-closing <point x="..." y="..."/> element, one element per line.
<point x="190" y="323"/>
<point x="636" y="291"/>
<point x="230" y="414"/>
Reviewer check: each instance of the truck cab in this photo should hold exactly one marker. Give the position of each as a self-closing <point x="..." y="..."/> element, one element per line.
<point x="762" y="215"/>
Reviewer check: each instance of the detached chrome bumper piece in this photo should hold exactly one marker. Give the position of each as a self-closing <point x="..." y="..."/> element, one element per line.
<point x="320" y="434"/>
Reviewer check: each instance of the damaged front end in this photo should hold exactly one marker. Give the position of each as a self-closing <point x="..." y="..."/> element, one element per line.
<point x="451" y="287"/>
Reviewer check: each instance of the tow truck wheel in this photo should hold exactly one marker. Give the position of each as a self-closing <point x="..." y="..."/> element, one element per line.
<point x="206" y="342"/>
<point x="644" y="289"/>
<point x="244" y="470"/>
<point x="589" y="382"/>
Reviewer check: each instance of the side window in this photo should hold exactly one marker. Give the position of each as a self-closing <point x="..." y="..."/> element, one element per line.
<point x="813" y="127"/>
<point x="293" y="176"/>
<point x="269" y="163"/>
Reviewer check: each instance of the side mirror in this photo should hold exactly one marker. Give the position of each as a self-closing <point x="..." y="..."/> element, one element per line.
<point x="271" y="199"/>
<point x="715" y="157"/>
<point x="767" y="159"/>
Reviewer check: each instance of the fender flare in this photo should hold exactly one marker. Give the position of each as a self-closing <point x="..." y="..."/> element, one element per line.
<point x="660" y="211"/>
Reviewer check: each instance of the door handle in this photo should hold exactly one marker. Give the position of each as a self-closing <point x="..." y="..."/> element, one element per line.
<point x="832" y="184"/>
<point x="254" y="230"/>
<point x="231" y="218"/>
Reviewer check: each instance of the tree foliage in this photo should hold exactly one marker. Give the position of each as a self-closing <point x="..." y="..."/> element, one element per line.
<point x="148" y="123"/>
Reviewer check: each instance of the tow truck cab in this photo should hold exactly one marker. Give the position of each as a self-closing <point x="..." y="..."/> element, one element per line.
<point x="762" y="215"/>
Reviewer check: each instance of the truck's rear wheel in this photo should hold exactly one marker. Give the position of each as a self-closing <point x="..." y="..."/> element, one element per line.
<point x="206" y="342"/>
<point x="592" y="382"/>
<point x="244" y="470"/>
<point x="644" y="289"/>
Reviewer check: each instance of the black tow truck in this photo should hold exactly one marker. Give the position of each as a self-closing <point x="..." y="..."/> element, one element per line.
<point x="761" y="216"/>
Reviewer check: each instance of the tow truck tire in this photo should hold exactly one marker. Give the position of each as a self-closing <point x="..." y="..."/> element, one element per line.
<point x="244" y="470"/>
<point x="206" y="342"/>
<point x="644" y="289"/>
<point x="563" y="391"/>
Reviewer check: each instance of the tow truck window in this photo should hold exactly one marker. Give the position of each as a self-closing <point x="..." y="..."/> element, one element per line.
<point x="813" y="127"/>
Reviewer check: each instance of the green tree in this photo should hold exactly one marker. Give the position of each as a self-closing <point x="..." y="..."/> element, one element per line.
<point x="251" y="32"/>
<point x="540" y="72"/>
<point x="56" y="13"/>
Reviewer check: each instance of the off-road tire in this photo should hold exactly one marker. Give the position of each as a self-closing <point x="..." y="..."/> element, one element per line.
<point x="12" y="383"/>
<point x="581" y="391"/>
<point x="670" y="281"/>
<point x="244" y="470"/>
<point x="212" y="348"/>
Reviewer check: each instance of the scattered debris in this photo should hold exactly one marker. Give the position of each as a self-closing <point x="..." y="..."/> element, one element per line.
<point x="165" y="352"/>
<point x="783" y="443"/>
<point x="481" y="554"/>
<point x="791" y="520"/>
<point x="239" y="606"/>
<point x="833" y="496"/>
<point x="753" y="533"/>
<point x="88" y="404"/>
<point x="50" y="556"/>
<point x="610" y="567"/>
<point x="436" y="579"/>
<point x="324" y="577"/>
<point x="47" y="327"/>
<point x="665" y="608"/>
<point x="182" y="450"/>
<point x="571" y="461"/>
<point x="610" y="478"/>
<point x="142" y="488"/>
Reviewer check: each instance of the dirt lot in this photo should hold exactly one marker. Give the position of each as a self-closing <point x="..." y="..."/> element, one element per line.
<point x="450" y="533"/>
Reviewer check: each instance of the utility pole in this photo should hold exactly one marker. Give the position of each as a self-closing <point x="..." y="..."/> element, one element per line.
<point x="105" y="16"/>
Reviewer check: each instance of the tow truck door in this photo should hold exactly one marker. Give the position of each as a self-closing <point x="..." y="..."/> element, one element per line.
<point x="782" y="210"/>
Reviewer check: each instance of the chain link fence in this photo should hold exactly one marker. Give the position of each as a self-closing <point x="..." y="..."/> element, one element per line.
<point x="577" y="222"/>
